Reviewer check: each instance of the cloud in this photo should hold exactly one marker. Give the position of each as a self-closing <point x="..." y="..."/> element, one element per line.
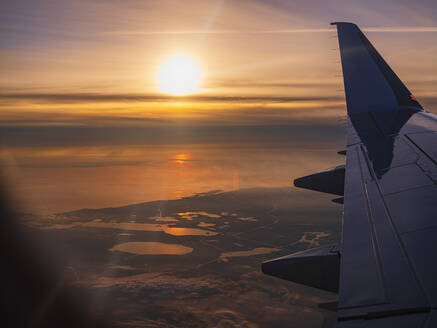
<point x="103" y="136"/>
<point x="402" y="29"/>
<point x="117" y="109"/>
<point x="212" y="32"/>
<point x="105" y="97"/>
<point x="388" y="29"/>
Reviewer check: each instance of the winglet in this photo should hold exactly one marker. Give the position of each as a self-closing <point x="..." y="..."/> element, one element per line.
<point x="336" y="23"/>
<point x="370" y="84"/>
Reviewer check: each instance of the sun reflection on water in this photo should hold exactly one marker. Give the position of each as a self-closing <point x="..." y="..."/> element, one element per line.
<point x="181" y="158"/>
<point x="152" y="248"/>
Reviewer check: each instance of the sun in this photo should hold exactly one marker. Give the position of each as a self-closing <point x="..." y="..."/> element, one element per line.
<point x="179" y="75"/>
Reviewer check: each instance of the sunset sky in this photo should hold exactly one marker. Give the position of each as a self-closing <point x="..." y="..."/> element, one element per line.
<point x="85" y="124"/>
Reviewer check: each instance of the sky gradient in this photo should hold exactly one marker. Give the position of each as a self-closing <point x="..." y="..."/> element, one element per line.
<point x="84" y="125"/>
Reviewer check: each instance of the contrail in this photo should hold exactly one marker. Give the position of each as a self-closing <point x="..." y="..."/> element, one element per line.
<point x="397" y="29"/>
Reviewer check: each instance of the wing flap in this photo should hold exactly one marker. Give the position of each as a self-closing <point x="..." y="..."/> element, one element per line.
<point x="417" y="319"/>
<point x="426" y="143"/>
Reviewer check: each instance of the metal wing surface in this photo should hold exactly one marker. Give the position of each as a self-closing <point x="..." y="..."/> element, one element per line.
<point x="386" y="263"/>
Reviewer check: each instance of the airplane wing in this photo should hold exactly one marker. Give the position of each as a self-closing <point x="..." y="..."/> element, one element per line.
<point x="385" y="269"/>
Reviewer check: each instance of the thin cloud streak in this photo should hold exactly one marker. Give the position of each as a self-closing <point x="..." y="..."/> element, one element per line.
<point x="400" y="29"/>
<point x="194" y="32"/>
<point x="92" y="97"/>
<point x="396" y="29"/>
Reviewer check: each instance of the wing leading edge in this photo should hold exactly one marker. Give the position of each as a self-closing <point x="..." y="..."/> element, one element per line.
<point x="387" y="263"/>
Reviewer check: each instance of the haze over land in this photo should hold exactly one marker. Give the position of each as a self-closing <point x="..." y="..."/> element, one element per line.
<point x="136" y="272"/>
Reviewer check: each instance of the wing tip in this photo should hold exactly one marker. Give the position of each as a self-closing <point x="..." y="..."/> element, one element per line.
<point x="344" y="23"/>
